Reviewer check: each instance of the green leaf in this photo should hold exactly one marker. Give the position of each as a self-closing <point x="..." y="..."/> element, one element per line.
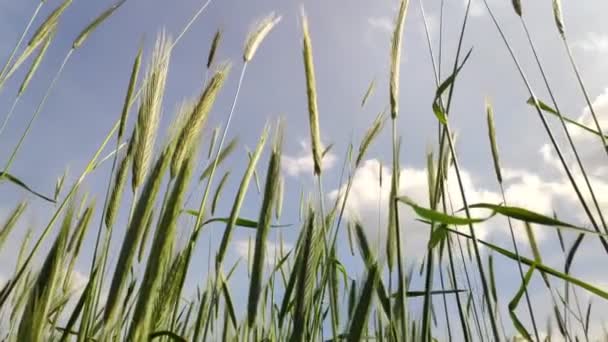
<point x="541" y="267"/>
<point x="546" y="108"/>
<point x="18" y="182"/>
<point x="515" y="301"/>
<point x="438" y="235"/>
<point x="241" y="222"/>
<point x="531" y="217"/>
<point x="439" y="113"/>
<point x="436" y="216"/>
<point x="437" y="108"/>
<point x="437" y="292"/>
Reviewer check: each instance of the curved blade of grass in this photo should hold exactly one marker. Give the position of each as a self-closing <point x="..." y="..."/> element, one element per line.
<point x="21" y="184"/>
<point x="239" y="222"/>
<point x="546" y="108"/>
<point x="437" y="107"/>
<point x="438" y="235"/>
<point x="515" y="301"/>
<point x="436" y="216"/>
<point x="526" y="215"/>
<point x="541" y="267"/>
<point x="572" y="253"/>
<point x="535" y="250"/>
<point x="226" y="151"/>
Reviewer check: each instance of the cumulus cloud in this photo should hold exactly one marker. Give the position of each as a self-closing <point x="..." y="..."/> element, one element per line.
<point x="477" y="9"/>
<point x="273" y="250"/>
<point x="600" y="106"/>
<point x="368" y="202"/>
<point x="593" y="43"/>
<point x="381" y="24"/>
<point x="78" y="281"/>
<point x="302" y="164"/>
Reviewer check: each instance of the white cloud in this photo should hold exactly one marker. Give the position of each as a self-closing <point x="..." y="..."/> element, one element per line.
<point x="593" y="43"/>
<point x="302" y="163"/>
<point x="368" y="201"/>
<point x="600" y="107"/>
<point x="273" y="250"/>
<point x="477" y="8"/>
<point x="78" y="281"/>
<point x="381" y="24"/>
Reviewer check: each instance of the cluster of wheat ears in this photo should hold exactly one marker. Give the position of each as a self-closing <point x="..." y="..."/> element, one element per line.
<point x="302" y="297"/>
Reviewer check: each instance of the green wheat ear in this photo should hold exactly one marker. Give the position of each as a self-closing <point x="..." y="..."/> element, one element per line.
<point x="257" y="35"/>
<point x="311" y="92"/>
<point x="150" y="109"/>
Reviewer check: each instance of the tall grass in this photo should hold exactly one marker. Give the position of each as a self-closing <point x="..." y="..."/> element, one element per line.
<point x="310" y="291"/>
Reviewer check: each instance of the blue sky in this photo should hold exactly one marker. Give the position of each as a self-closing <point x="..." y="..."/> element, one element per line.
<point x="351" y="45"/>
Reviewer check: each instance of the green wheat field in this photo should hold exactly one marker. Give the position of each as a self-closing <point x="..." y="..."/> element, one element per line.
<point x="319" y="274"/>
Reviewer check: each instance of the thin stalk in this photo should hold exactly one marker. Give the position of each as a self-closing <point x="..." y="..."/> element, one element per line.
<point x="482" y="275"/>
<point x="445" y="302"/>
<point x="463" y="321"/>
<point x="330" y="265"/>
<point x="186" y="28"/>
<point x="520" y="268"/>
<point x="478" y="325"/>
<point x="206" y="193"/>
<point x="565" y="127"/>
<point x="548" y="129"/>
<point x="584" y="90"/>
<point x="37" y="112"/>
<point x="426" y="326"/>
<point x="330" y="251"/>
<point x="439" y="178"/>
<point x="10" y="113"/>
<point x="19" y="42"/>
<point x="97" y="289"/>
<point x="401" y="280"/>
<point x="8" y="289"/>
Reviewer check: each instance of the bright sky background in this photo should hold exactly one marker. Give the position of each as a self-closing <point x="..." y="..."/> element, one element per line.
<point x="351" y="44"/>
